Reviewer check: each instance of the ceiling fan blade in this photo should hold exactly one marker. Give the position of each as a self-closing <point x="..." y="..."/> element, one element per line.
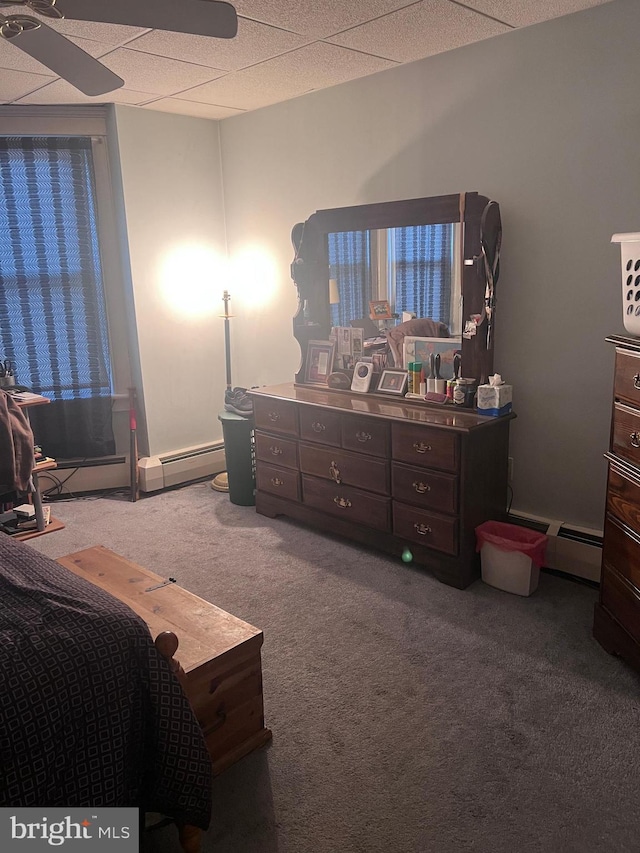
<point x="65" y="58"/>
<point x="197" y="17"/>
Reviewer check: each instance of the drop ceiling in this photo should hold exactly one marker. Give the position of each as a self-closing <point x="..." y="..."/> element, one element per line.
<point x="283" y="49"/>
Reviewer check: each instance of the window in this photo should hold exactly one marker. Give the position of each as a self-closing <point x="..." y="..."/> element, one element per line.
<point x="420" y="270"/>
<point x="53" y="324"/>
<point x="350" y="265"/>
<point x="412" y="267"/>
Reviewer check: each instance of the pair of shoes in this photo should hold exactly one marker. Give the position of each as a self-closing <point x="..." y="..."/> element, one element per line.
<point x="237" y="400"/>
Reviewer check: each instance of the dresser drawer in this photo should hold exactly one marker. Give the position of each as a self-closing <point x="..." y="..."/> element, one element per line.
<point x="282" y="482"/>
<point x="347" y="503"/>
<point x="365" y="435"/>
<point x="621" y="551"/>
<point x="430" y="448"/>
<point x="627" y="377"/>
<point x="623" y="498"/>
<point x="622" y="601"/>
<point x="275" y="415"/>
<point x="320" y="425"/>
<point x="625" y="435"/>
<point x="425" y="528"/>
<point x="352" y="469"/>
<point x="425" y="488"/>
<point x="278" y="451"/>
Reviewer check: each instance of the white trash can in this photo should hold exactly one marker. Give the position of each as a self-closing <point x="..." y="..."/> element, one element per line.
<point x="510" y="556"/>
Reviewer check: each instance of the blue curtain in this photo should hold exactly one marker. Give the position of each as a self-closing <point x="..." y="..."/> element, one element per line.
<point x="53" y="324"/>
<point x="350" y="265"/>
<point x="423" y="266"/>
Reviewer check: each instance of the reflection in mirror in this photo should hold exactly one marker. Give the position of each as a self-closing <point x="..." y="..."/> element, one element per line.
<point x="415" y="268"/>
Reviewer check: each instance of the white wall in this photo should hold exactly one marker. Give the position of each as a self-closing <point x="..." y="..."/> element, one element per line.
<point x="546" y="121"/>
<point x="174" y="210"/>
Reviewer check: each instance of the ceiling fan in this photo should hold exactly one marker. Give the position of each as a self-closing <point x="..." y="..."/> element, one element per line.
<point x="198" y="17"/>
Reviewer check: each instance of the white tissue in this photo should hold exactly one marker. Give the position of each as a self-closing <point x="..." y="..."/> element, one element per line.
<point x="495" y="380"/>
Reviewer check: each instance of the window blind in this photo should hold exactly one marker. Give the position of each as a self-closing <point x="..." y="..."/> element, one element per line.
<point x="423" y="259"/>
<point x="350" y="265"/>
<point x="53" y="323"/>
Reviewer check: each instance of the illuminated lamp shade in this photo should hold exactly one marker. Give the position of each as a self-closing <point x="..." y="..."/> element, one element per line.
<point x="334" y="295"/>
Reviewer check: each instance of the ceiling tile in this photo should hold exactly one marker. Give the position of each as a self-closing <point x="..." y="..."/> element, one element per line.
<point x="14" y="84"/>
<point x="192" y="108"/>
<point x="61" y="92"/>
<point x="156" y="74"/>
<point x="423" y="29"/>
<point x="312" y="67"/>
<point x="254" y="43"/>
<point x="276" y="54"/>
<point x="520" y="14"/>
<point x="314" y="18"/>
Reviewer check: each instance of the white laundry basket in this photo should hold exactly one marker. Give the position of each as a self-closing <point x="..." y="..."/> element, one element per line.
<point x="630" y="260"/>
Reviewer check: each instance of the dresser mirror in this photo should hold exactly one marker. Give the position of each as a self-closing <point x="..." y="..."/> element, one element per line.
<point x="433" y="257"/>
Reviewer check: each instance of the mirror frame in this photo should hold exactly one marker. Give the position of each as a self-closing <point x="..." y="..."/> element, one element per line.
<point x="310" y="266"/>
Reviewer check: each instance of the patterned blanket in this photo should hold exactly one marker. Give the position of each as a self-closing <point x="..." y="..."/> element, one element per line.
<point x="90" y="713"/>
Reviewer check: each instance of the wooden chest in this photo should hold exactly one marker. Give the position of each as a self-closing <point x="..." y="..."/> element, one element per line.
<point x="220" y="654"/>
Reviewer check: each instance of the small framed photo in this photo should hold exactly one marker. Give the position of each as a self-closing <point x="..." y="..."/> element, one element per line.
<point x="393" y="382"/>
<point x="319" y="362"/>
<point x="380" y="310"/>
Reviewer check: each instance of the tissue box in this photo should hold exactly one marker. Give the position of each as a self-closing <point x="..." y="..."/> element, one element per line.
<point x="494" y="400"/>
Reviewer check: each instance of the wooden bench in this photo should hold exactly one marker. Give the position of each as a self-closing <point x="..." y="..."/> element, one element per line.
<point x="220" y="666"/>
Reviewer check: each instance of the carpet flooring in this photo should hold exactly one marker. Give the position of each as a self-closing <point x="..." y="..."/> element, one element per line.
<point x="407" y="716"/>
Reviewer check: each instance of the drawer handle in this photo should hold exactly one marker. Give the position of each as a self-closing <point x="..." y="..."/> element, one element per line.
<point x="421" y="488"/>
<point x="316" y="426"/>
<point x="636" y="381"/>
<point x="421" y="447"/>
<point x="363" y="436"/>
<point x="275" y="450"/>
<point x="274" y="416"/>
<point x="277" y="481"/>
<point x="422" y="529"/>
<point x="334" y="473"/>
<point x="634" y="438"/>
<point x="342" y="502"/>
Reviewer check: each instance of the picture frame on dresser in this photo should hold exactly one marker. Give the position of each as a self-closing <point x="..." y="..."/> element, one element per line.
<point x="319" y="362"/>
<point x="393" y="382"/>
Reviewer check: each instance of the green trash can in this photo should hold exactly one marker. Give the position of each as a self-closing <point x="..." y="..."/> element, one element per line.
<point x="237" y="433"/>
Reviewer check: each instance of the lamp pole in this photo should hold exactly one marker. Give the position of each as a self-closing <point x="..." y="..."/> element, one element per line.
<point x="220" y="482"/>
<point x="227" y="341"/>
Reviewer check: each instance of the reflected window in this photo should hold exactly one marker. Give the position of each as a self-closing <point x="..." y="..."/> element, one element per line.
<point x="413" y="267"/>
<point x="350" y="265"/>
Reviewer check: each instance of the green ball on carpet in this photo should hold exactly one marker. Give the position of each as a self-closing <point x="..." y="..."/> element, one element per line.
<point x="407" y="556"/>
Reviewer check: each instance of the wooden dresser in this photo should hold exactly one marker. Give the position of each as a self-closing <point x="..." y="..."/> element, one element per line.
<point x="617" y="614"/>
<point x="386" y="473"/>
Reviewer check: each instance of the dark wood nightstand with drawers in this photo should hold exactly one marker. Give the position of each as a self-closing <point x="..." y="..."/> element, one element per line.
<point x="386" y="473"/>
<point x="617" y="614"/>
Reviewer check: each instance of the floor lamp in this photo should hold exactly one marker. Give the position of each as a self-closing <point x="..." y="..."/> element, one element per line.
<point x="220" y="482"/>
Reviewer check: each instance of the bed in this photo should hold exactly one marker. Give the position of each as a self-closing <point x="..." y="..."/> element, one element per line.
<point x="90" y="711"/>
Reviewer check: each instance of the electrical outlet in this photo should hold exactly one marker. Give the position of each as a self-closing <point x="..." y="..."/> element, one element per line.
<point x="510" y="470"/>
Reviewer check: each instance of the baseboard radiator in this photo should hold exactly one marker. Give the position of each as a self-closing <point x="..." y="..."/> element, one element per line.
<point x="572" y="550"/>
<point x="182" y="466"/>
